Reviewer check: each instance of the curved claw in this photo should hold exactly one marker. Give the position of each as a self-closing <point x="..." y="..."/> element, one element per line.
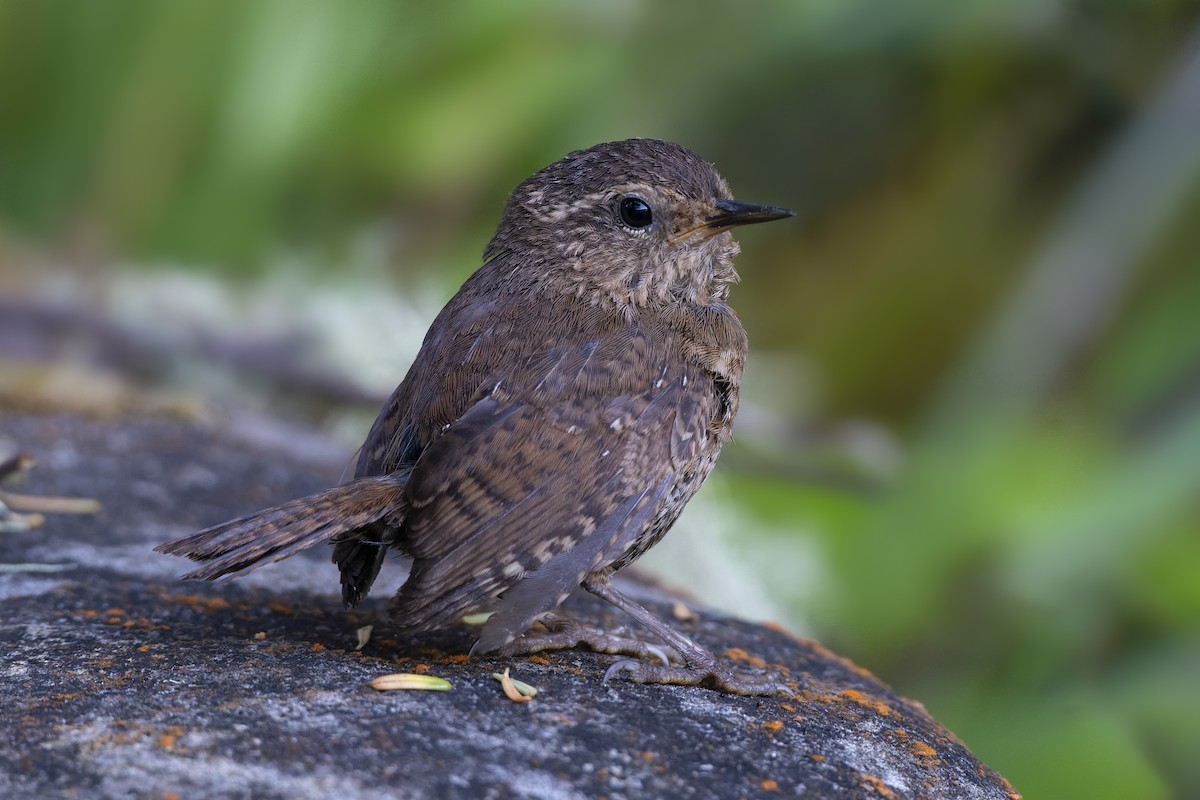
<point x="658" y="652"/>
<point x="783" y="689"/>
<point x="624" y="665"/>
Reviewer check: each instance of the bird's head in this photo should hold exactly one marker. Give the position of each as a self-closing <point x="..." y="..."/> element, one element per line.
<point x="632" y="222"/>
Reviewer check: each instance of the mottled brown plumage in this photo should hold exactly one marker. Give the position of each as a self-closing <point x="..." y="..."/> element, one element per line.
<point x="564" y="407"/>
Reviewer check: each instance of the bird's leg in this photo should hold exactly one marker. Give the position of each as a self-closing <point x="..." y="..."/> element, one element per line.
<point x="564" y="633"/>
<point x="700" y="666"/>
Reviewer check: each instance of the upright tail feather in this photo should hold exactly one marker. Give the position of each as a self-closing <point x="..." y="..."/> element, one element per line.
<point x="247" y="543"/>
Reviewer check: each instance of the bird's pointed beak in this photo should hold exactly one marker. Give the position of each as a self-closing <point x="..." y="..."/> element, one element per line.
<point x="731" y="213"/>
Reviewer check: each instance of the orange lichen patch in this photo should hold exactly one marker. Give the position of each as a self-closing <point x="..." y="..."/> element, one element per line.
<point x="280" y="608"/>
<point x="420" y="668"/>
<point x="809" y="695"/>
<point x="204" y="605"/>
<point x="788" y="708"/>
<point x="900" y="733"/>
<point x="818" y="758"/>
<point x="260" y="636"/>
<point x="538" y="660"/>
<point x="858" y="698"/>
<point x="363" y="658"/>
<point x="739" y="655"/>
<point x="430" y="653"/>
<point x="318" y="647"/>
<point x="941" y="735"/>
<point x="458" y="658"/>
<point x="772" y="625"/>
<point x="89" y="613"/>
<point x="825" y="653"/>
<point x="768" y="785"/>
<point x="821" y="696"/>
<point x="876" y="785"/>
<point x="143" y="624"/>
<point x="773" y="726"/>
<point x="645" y="755"/>
<point x="922" y="750"/>
<point x="1013" y="794"/>
<point x="170" y="737"/>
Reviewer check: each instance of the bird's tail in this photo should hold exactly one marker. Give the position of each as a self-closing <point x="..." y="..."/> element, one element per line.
<point x="247" y="543"/>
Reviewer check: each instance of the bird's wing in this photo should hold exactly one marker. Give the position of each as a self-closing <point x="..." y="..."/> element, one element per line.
<point x="547" y="477"/>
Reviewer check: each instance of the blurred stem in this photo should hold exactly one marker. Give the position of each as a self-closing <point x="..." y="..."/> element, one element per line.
<point x="983" y="441"/>
<point x="1076" y="283"/>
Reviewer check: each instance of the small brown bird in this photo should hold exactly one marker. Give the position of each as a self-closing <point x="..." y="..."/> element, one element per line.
<point x="564" y="407"/>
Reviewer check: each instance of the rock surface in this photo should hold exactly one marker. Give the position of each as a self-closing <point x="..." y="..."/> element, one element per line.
<point x="117" y="680"/>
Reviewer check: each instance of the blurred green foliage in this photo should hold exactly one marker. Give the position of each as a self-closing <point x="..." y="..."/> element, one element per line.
<point x="1031" y="568"/>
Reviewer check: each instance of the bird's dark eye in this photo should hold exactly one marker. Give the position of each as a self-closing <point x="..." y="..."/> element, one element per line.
<point x="635" y="212"/>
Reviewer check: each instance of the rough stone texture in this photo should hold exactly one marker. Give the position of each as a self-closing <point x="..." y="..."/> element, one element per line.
<point x="118" y="680"/>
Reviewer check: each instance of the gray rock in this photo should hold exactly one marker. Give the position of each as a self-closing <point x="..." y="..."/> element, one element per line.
<point x="119" y="681"/>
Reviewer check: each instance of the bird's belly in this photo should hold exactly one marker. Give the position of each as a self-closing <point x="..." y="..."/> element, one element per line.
<point x="631" y="548"/>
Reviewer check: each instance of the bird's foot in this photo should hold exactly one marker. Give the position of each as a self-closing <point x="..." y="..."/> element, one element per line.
<point x="698" y="666"/>
<point x="564" y="633"/>
<point x="707" y="673"/>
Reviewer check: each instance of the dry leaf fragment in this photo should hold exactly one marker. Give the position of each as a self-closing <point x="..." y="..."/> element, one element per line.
<point x="15" y="466"/>
<point x="515" y="690"/>
<point x="410" y="680"/>
<point x="682" y="613"/>
<point x="12" y="522"/>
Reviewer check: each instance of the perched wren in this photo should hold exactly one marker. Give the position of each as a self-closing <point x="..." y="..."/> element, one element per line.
<point x="564" y="407"/>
